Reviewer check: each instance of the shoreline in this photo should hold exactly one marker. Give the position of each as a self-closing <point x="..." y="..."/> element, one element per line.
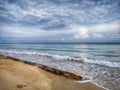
<point x="49" y="69"/>
<point x="16" y="75"/>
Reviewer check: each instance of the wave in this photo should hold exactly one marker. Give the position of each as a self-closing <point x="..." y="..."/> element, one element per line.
<point x="14" y="53"/>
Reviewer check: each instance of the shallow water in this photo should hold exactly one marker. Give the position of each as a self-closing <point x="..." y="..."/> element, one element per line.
<point x="95" y="62"/>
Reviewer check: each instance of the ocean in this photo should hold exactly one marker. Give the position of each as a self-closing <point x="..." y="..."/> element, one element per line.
<point x="96" y="63"/>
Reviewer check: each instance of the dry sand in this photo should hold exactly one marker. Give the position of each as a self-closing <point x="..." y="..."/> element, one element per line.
<point x="15" y="75"/>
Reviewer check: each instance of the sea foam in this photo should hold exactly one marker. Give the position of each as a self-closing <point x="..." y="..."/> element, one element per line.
<point x="15" y="53"/>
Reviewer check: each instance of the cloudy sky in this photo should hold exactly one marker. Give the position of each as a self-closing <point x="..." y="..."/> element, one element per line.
<point x="59" y="20"/>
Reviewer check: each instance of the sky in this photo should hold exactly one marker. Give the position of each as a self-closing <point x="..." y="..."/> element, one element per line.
<point x="59" y="21"/>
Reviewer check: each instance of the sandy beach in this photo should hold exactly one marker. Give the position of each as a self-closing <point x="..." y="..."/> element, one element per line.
<point x="15" y="75"/>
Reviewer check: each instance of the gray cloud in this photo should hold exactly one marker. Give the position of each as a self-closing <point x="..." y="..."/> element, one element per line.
<point x="61" y="16"/>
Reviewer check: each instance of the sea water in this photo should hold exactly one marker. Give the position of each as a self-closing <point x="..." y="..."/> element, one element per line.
<point x="96" y="63"/>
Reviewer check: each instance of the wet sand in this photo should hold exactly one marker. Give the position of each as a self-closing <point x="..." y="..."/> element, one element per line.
<point x="15" y="75"/>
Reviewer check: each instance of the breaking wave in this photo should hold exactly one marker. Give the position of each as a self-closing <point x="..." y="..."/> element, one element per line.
<point x="15" y="53"/>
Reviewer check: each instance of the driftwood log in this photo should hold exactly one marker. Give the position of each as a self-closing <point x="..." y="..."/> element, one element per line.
<point x="49" y="69"/>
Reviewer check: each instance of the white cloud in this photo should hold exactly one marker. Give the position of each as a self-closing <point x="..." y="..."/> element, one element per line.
<point x="106" y="30"/>
<point x="98" y="11"/>
<point x="106" y="27"/>
<point x="15" y="11"/>
<point x="97" y="36"/>
<point x="110" y="30"/>
<point x="81" y="33"/>
<point x="18" y="31"/>
<point x="63" y="39"/>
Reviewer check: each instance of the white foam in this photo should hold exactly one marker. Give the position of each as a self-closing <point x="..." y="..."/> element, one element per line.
<point x="92" y="81"/>
<point x="102" y="62"/>
<point x="67" y="64"/>
<point x="95" y="61"/>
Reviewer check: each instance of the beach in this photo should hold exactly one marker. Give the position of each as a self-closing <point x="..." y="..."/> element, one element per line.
<point x="59" y="44"/>
<point x="15" y="75"/>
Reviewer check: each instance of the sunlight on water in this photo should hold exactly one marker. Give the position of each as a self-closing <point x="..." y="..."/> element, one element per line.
<point x="96" y="63"/>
